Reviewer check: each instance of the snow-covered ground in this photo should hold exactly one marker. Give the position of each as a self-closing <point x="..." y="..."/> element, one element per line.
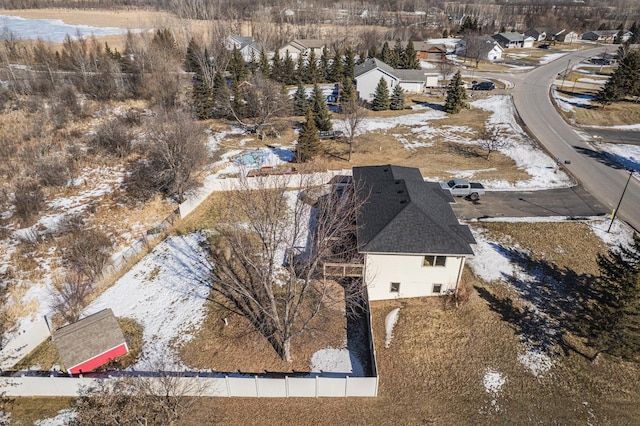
<point x="567" y="103"/>
<point x="166" y="293"/>
<point x="493" y="263"/>
<point x="551" y="57"/>
<point x="627" y="156"/>
<point x="53" y="29"/>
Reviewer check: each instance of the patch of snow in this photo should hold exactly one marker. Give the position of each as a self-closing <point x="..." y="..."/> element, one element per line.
<point x="627" y="156"/>
<point x="551" y="57"/>
<point x="489" y="263"/>
<point x="166" y="293"/>
<point x="566" y="103"/>
<point x="592" y="80"/>
<point x="626" y="127"/>
<point x="526" y="155"/>
<point x="334" y="360"/>
<point x="64" y="417"/>
<point x="536" y="361"/>
<point x="493" y="381"/>
<point x="389" y="323"/>
<point x="427" y="65"/>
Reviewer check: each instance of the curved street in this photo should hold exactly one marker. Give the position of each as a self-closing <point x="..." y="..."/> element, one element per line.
<point x="601" y="177"/>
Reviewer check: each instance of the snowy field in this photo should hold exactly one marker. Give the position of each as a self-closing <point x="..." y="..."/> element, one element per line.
<point x="52" y="29"/>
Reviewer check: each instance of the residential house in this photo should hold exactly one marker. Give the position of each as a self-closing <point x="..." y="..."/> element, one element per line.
<point x="545" y="34"/>
<point x="246" y="45"/>
<point x="606" y="36"/>
<point x="411" y="240"/>
<point x="482" y="48"/>
<point x="426" y="51"/>
<point x="90" y="342"/>
<point x="568" y="37"/>
<point x="513" y="40"/>
<point x="302" y="47"/>
<point x="367" y="76"/>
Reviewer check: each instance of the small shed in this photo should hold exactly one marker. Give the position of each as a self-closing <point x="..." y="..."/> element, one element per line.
<point x="90" y="342"/>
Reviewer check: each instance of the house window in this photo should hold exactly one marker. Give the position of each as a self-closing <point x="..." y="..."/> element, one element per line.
<point x="395" y="287"/>
<point x="434" y="261"/>
<point x="437" y="288"/>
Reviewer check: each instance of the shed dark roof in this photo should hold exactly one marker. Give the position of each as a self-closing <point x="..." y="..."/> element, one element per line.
<point x="88" y="337"/>
<point x="405" y="214"/>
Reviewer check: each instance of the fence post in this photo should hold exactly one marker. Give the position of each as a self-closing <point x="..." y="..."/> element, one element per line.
<point x="257" y="386"/>
<point x="346" y="387"/>
<point x="286" y="386"/>
<point x="226" y="379"/>
<point x="317" y="386"/>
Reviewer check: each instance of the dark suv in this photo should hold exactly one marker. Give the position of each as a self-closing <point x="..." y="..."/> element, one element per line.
<point x="483" y="85"/>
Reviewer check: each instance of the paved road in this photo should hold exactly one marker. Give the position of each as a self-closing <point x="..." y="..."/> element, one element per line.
<point x="614" y="136"/>
<point x="567" y="202"/>
<point x="596" y="172"/>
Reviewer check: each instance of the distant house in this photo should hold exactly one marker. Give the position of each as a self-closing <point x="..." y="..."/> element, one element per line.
<point x="513" y="40"/>
<point x="427" y="51"/>
<point x="484" y="47"/>
<point x="606" y="36"/>
<point x="246" y="45"/>
<point x="367" y="76"/>
<point x="412" y="242"/>
<point x="545" y="34"/>
<point x="568" y="37"/>
<point x="302" y="47"/>
<point x="90" y="342"/>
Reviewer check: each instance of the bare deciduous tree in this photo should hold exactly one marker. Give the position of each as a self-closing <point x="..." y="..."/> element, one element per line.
<point x="70" y="295"/>
<point x="354" y="115"/>
<point x="263" y="101"/>
<point x="176" y="154"/>
<point x="281" y="298"/>
<point x="491" y="140"/>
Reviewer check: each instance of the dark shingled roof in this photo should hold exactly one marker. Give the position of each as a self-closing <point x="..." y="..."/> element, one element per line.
<point x="88" y="337"/>
<point x="405" y="214"/>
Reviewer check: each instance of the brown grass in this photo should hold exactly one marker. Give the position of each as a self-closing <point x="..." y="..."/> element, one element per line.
<point x="25" y="411"/>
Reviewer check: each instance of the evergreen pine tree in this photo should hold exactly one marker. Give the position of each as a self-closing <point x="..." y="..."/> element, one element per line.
<point x="347" y="93"/>
<point x="254" y="62"/>
<point x="410" y="57"/>
<point x="238" y="104"/>
<point x="191" y="63"/>
<point x="396" y="55"/>
<point x="372" y="52"/>
<point x="301" y="69"/>
<point x="348" y="64"/>
<point x="320" y="110"/>
<point x="300" y="101"/>
<point x="288" y="70"/>
<point x="323" y="70"/>
<point x="381" y="96"/>
<point x="308" y="140"/>
<point x="203" y="97"/>
<point x="312" y="71"/>
<point x="625" y="80"/>
<point x="263" y="64"/>
<point x="336" y="71"/>
<point x="220" y="95"/>
<point x="237" y="66"/>
<point x="397" y="98"/>
<point x="385" y="53"/>
<point x="276" y="68"/>
<point x="456" y="95"/>
<point x="613" y="312"/>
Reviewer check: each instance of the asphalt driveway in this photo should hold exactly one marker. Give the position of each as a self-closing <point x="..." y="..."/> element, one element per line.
<point x="569" y="202"/>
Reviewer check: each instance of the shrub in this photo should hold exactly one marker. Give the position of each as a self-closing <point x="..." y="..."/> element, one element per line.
<point x="28" y="198"/>
<point x="87" y="252"/>
<point x="114" y="138"/>
<point x="70" y="295"/>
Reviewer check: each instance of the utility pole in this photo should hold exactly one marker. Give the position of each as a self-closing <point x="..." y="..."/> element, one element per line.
<point x="615" y="212"/>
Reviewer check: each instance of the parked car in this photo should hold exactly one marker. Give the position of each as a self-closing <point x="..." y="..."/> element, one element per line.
<point x="483" y="85"/>
<point x="463" y="188"/>
<point x="544" y="46"/>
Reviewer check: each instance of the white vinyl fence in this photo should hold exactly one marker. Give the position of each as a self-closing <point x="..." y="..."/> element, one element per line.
<point x="220" y="386"/>
<point x="214" y="183"/>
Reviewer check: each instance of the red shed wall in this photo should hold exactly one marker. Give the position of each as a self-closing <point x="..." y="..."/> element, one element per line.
<point x="98" y="360"/>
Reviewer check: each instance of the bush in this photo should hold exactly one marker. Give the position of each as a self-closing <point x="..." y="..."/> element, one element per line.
<point x="70" y="295"/>
<point x="53" y="171"/>
<point x="28" y="198"/>
<point x="114" y="138"/>
<point x="87" y="252"/>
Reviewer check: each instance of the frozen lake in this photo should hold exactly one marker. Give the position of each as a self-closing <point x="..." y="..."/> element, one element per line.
<point x="50" y="29"/>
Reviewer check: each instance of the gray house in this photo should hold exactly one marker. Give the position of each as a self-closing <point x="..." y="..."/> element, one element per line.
<point x="606" y="36"/>
<point x="513" y="40"/>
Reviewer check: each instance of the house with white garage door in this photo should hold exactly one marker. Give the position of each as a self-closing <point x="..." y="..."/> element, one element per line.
<point x="368" y="74"/>
<point x="409" y="237"/>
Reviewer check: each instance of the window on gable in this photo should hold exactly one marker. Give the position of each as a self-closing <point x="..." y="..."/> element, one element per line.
<point x="434" y="261"/>
<point x="395" y="288"/>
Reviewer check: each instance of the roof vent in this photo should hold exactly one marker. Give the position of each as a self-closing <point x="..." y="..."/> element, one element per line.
<point x="403" y="202"/>
<point x="385" y="170"/>
<point x="401" y="191"/>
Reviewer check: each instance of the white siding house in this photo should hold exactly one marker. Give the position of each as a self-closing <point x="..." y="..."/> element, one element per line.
<point x="411" y="241"/>
<point x="367" y="76"/>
